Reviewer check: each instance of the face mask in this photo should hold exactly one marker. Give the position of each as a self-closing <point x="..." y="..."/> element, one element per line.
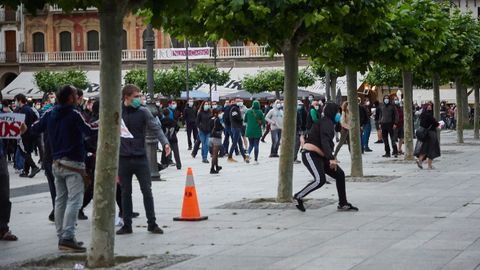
<point x="190" y="104"/>
<point x="367" y="103"/>
<point x="239" y="104"/>
<point x="16" y="104"/>
<point x="38" y="107"/>
<point x="52" y="100"/>
<point x="386" y="101"/>
<point x="144" y="102"/>
<point x="214" y="106"/>
<point x="158" y="104"/>
<point x="338" y="116"/>
<point x="316" y="107"/>
<point x="299" y="107"/>
<point x="174" y="106"/>
<point x="310" y="98"/>
<point x="397" y="102"/>
<point x="206" y="107"/>
<point x="278" y="105"/>
<point x="136" y="102"/>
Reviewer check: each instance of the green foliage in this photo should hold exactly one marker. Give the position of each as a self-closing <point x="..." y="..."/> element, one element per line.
<point x="273" y="80"/>
<point x="137" y="77"/>
<point x="382" y="75"/>
<point x="210" y="75"/>
<point x="50" y="81"/>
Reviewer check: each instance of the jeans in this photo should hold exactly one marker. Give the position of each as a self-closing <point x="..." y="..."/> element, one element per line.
<point x="19" y="160"/>
<point x="5" y="204"/>
<point x="70" y="187"/>
<point x="236" y="142"/>
<point x="192" y="128"/>
<point x="138" y="166"/>
<point x="367" y="129"/>
<point x="204" y="137"/>
<point x="254" y="143"/>
<point x="276" y="136"/>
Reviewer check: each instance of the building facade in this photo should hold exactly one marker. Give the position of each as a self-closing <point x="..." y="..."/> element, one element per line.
<point x="11" y="40"/>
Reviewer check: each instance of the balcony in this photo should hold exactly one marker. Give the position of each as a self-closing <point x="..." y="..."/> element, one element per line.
<point x="169" y="54"/>
<point x="8" y="57"/>
<point x="55" y="8"/>
<point x="9" y="16"/>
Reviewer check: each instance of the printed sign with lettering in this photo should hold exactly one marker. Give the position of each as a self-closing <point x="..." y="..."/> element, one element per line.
<point x="10" y="124"/>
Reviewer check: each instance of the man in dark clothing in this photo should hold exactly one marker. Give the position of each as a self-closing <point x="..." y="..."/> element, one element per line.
<point x="236" y="121"/>
<point x="190" y="118"/>
<point x="133" y="157"/>
<point x="301" y="128"/>
<point x="318" y="158"/>
<point x="203" y="124"/>
<point x="228" y="126"/>
<point x="170" y="129"/>
<point x="28" y="139"/>
<point x="367" y="126"/>
<point x="67" y="130"/>
<point x="364" y="120"/>
<point x="388" y="122"/>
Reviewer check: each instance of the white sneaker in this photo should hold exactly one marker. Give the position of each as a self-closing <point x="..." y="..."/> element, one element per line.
<point x="119" y="222"/>
<point x="256" y="163"/>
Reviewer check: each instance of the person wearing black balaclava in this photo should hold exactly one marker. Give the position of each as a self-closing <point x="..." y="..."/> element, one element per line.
<point x="317" y="156"/>
<point x="429" y="148"/>
<point x="388" y="122"/>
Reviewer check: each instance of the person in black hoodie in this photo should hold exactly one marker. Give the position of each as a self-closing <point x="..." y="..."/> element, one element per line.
<point x="216" y="140"/>
<point x="204" y="128"/>
<point x="170" y="129"/>
<point x="67" y="131"/>
<point x="388" y="123"/>
<point x="429" y="148"/>
<point x="319" y="160"/>
<point x="190" y="118"/>
<point x="236" y="121"/>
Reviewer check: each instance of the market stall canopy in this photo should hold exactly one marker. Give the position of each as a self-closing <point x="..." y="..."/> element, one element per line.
<point x="195" y="94"/>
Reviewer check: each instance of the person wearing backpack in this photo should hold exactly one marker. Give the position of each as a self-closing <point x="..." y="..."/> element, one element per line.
<point x="254" y="119"/>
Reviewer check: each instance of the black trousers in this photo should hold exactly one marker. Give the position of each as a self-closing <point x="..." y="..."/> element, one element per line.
<point x="88" y="194"/>
<point x="47" y="164"/>
<point x="387" y="131"/>
<point x="5" y="204"/>
<point x="29" y="163"/>
<point x="192" y="128"/>
<point x="318" y="167"/>
<point x="176" y="154"/>
<point x="138" y="166"/>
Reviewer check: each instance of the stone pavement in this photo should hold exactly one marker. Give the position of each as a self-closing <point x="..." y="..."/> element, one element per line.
<point x="422" y="220"/>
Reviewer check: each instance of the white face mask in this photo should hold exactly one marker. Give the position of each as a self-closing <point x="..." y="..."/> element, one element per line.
<point x="52" y="100"/>
<point x="190" y="103"/>
<point x="279" y="105"/>
<point x="316" y="107"/>
<point x="38" y="107"/>
<point x="240" y="104"/>
<point x="367" y="103"/>
<point x="158" y="104"/>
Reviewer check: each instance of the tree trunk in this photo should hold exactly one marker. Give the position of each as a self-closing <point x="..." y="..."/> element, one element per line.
<point x="466" y="121"/>
<point x="101" y="252"/>
<point x="353" y="107"/>
<point x="460" y="108"/>
<point x="476" y="118"/>
<point x="436" y="99"/>
<point x="328" y="97"/>
<point x="290" y="56"/>
<point x="333" y="88"/>
<point x="408" y="113"/>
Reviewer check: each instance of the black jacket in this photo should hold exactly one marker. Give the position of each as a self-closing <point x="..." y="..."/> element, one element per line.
<point x="226" y="116"/>
<point x="30" y="117"/>
<point x="321" y="134"/>
<point x="428" y="121"/>
<point x="190" y="115"/>
<point x="388" y="114"/>
<point x="217" y="127"/>
<point x="170" y="128"/>
<point x="137" y="121"/>
<point x="203" y="121"/>
<point x="236" y="117"/>
<point x="363" y="115"/>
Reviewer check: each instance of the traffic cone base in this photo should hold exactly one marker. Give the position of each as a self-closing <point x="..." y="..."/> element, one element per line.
<point x="190" y="209"/>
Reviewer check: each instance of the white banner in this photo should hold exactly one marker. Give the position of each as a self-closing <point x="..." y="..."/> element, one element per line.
<point x="180" y="53"/>
<point x="10" y="124"/>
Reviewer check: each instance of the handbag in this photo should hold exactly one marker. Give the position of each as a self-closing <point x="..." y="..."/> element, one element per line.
<point x="259" y="121"/>
<point x="422" y="133"/>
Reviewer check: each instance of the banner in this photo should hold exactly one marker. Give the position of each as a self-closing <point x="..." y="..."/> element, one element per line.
<point x="180" y="53"/>
<point x="10" y="124"/>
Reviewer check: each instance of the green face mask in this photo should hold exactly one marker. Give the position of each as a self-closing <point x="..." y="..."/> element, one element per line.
<point x="136" y="102"/>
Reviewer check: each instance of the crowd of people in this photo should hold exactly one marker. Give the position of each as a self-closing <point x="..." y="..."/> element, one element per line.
<point x="62" y="130"/>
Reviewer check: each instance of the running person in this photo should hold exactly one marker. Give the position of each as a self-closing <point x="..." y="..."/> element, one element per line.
<point x="319" y="160"/>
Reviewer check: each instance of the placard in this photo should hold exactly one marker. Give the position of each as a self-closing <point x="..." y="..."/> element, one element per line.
<point x="10" y="124"/>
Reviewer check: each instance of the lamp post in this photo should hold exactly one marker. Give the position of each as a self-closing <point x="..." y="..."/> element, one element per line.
<point x="187" y="75"/>
<point x="150" y="138"/>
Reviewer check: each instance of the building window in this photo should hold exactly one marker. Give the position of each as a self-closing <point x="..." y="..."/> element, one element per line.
<point x="92" y="41"/>
<point x="175" y="43"/>
<point x="124" y="40"/>
<point x="38" y="39"/>
<point x="65" y="41"/>
<point x="236" y="43"/>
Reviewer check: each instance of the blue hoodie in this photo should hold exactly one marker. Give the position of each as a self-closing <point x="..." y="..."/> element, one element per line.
<point x="67" y="130"/>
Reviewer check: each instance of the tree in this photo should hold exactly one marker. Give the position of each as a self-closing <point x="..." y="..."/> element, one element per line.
<point x="273" y="80"/>
<point x="210" y="75"/>
<point x="111" y="14"/>
<point x="50" y="81"/>
<point x="417" y="32"/>
<point x="329" y="73"/>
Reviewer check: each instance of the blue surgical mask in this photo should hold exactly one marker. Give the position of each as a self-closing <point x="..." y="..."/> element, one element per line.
<point x="174" y="106"/>
<point x="206" y="107"/>
<point x="386" y="101"/>
<point x="299" y="107"/>
<point x="338" y="116"/>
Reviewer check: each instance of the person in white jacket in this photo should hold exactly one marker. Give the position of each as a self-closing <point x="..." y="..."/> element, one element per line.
<point x="275" y="118"/>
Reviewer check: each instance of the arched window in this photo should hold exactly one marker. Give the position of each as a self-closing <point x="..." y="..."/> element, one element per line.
<point x="92" y="41"/>
<point x="65" y="41"/>
<point x="38" y="40"/>
<point x="176" y="43"/>
<point x="124" y="40"/>
<point x="143" y="38"/>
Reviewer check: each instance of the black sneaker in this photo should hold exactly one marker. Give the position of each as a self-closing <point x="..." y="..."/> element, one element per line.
<point x="24" y="175"/>
<point x="368" y="150"/>
<point x="205" y="161"/>
<point x="34" y="172"/>
<point x="347" y="208"/>
<point x="386" y="155"/>
<point x="219" y="168"/>
<point x="51" y="217"/>
<point x="299" y="204"/>
<point x="212" y="171"/>
<point x="135" y="214"/>
<point x="81" y="215"/>
<point x="124" y="230"/>
<point x="155" y="229"/>
<point x="70" y="245"/>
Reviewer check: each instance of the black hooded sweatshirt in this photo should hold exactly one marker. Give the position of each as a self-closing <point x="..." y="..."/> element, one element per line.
<point x="322" y="132"/>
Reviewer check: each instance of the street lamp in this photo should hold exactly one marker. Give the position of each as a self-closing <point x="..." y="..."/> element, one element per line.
<point x="151" y="138"/>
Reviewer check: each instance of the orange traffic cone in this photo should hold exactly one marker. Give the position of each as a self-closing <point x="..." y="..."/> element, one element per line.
<point x="190" y="209"/>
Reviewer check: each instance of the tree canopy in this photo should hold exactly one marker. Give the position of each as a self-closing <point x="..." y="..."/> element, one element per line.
<point x="51" y="81"/>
